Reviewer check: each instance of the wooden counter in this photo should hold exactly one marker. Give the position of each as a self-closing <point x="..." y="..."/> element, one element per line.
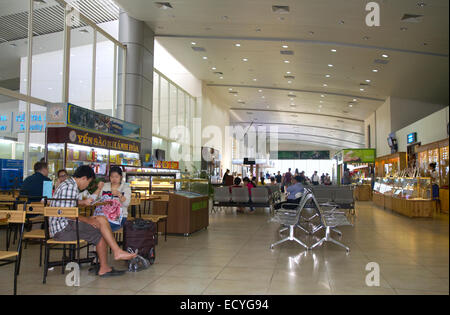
<point x="363" y="192"/>
<point x="443" y="196"/>
<point x="185" y="215"/>
<point x="408" y="207"/>
<point x="378" y="199"/>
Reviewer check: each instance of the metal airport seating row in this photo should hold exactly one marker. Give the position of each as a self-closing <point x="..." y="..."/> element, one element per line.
<point x="264" y="196"/>
<point x="328" y="218"/>
<point x="339" y="196"/>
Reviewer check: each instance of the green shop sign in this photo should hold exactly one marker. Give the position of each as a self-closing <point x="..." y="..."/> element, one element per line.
<point x="198" y="205"/>
<point x="358" y="155"/>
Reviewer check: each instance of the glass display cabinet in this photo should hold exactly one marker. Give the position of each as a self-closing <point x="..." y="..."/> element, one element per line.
<point x="404" y="187"/>
<point x="147" y="180"/>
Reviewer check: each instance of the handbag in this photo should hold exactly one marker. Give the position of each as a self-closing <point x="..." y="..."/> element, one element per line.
<point x="112" y="211"/>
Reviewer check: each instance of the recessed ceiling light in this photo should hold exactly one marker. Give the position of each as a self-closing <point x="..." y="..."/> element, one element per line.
<point x="350" y="105"/>
<point x="322" y="95"/>
<point x="244" y="59"/>
<point x="285" y="46"/>
<point x="237" y="45"/>
<point x="355" y="100"/>
<point x="289" y="82"/>
<point x="204" y="58"/>
<point x="327" y="76"/>
<point x="368" y="81"/>
<point x="263" y="96"/>
<point x="362" y="90"/>
<point x="385" y="56"/>
<point x="193" y="43"/>
<point x="366" y="37"/>
<point x="311" y="33"/>
<point x="333" y="50"/>
<point x="221" y="78"/>
<point x="375" y="70"/>
<point x="213" y="68"/>
<point x="421" y="4"/>
<point x="341" y="22"/>
<point x="403" y="28"/>
<point x="330" y="65"/>
<point x="230" y="89"/>
<point x="320" y="106"/>
<point x="255" y="79"/>
<point x="288" y="72"/>
<point x="286" y="61"/>
<point x="325" y="85"/>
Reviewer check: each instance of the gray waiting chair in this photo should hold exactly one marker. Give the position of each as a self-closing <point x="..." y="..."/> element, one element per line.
<point x="260" y="195"/>
<point x="221" y="195"/>
<point x="240" y="195"/>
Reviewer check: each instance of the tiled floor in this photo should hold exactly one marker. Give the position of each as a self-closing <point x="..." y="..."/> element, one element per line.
<point x="233" y="257"/>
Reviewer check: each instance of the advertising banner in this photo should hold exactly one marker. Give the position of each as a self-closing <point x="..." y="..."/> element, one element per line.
<point x="359" y="155"/>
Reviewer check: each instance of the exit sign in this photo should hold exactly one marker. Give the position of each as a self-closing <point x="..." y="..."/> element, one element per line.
<point x="412" y="137"/>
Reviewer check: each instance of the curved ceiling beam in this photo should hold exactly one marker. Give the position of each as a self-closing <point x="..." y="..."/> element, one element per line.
<point x="307" y="41"/>
<point x="298" y="113"/>
<point x="300" y="91"/>
<point x="298" y="125"/>
<point x="325" y="137"/>
<point x="316" y="142"/>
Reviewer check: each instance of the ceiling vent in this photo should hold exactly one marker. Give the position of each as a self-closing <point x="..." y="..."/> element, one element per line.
<point x="291" y="77"/>
<point x="412" y="18"/>
<point x="218" y="73"/>
<point x="364" y="84"/>
<point x="233" y="92"/>
<point x="198" y="49"/>
<point x="241" y="102"/>
<point x="345" y="111"/>
<point x="280" y="9"/>
<point x="292" y="95"/>
<point x="340" y="121"/>
<point x="163" y="5"/>
<point x="249" y="113"/>
<point x="381" y="62"/>
<point x="287" y="52"/>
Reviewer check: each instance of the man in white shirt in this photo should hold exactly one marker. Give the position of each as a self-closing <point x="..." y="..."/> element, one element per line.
<point x="315" y="178"/>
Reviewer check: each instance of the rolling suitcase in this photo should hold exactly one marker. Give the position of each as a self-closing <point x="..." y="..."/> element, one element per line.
<point x="140" y="235"/>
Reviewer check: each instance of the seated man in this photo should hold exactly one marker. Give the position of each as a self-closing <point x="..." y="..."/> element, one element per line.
<point x="295" y="192"/>
<point x="33" y="185"/>
<point x="95" y="230"/>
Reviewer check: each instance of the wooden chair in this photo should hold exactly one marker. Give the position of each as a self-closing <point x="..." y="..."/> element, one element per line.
<point x="52" y="244"/>
<point x="37" y="235"/>
<point x="135" y="202"/>
<point x="13" y="257"/>
<point x="159" y="218"/>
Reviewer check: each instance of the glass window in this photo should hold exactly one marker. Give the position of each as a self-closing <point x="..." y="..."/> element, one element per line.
<point x="104" y="75"/>
<point x="47" y="59"/>
<point x="173" y="107"/>
<point x="14" y="44"/>
<point x="164" y="108"/>
<point x="156" y="98"/>
<point x="81" y="55"/>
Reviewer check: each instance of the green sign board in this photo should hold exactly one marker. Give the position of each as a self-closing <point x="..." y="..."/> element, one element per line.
<point x="358" y="155"/>
<point x="303" y="155"/>
<point x="199" y="205"/>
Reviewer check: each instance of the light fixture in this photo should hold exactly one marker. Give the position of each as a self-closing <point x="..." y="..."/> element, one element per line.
<point x="193" y="43"/>
<point x="322" y="95"/>
<point x="330" y="65"/>
<point x="385" y="56"/>
<point x="421" y="4"/>
<point x="285" y="46"/>
<point x="263" y="96"/>
<point x="286" y="61"/>
<point x="333" y="50"/>
<point x="350" y="105"/>
<point x="164" y="5"/>
<point x="366" y="37"/>
<point x="255" y="80"/>
<point x="230" y="89"/>
<point x="204" y="58"/>
<point x="244" y="59"/>
<point x="375" y="70"/>
<point x="368" y="81"/>
<point x="355" y="100"/>
<point x="221" y="78"/>
<point x="237" y="45"/>
<point x="289" y="82"/>
<point x="328" y="76"/>
<point x="213" y="68"/>
<point x="403" y="28"/>
<point x="259" y="91"/>
<point x="361" y="89"/>
<point x="325" y="85"/>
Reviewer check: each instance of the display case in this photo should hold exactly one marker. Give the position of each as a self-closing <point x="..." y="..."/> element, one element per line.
<point x="408" y="196"/>
<point x="391" y="165"/>
<point x="147" y="180"/>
